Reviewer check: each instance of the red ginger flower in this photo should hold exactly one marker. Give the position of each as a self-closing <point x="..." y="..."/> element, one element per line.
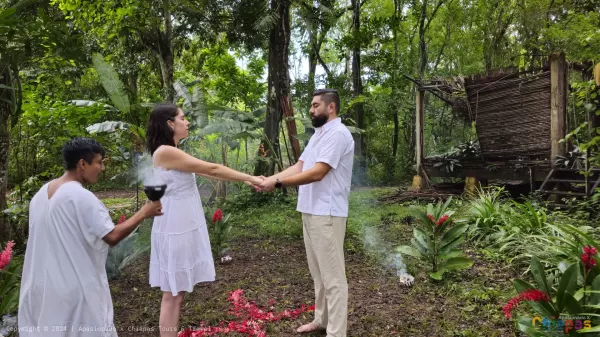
<point x="588" y="257"/>
<point x="218" y="216"/>
<point x="534" y="295"/>
<point x="431" y="217"/>
<point x="122" y="219"/>
<point x="590" y="250"/>
<point x="442" y="220"/>
<point x="6" y="254"/>
<point x="585" y="258"/>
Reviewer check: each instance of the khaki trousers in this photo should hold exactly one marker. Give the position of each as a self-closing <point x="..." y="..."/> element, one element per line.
<point x="324" y="242"/>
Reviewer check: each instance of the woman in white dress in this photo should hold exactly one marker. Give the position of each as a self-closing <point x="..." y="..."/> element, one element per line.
<point x="180" y="249"/>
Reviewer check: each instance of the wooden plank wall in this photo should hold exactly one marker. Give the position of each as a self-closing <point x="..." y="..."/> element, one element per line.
<point x="512" y="114"/>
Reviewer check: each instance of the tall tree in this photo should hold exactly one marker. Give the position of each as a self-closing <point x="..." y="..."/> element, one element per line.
<point x="278" y="84"/>
<point x="359" y="112"/>
<point x="319" y="17"/>
<point x="497" y="16"/>
<point x="424" y="23"/>
<point x="395" y="23"/>
<point x="161" y="27"/>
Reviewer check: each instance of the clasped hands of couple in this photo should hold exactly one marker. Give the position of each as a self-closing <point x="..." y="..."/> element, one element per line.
<point x="262" y="183"/>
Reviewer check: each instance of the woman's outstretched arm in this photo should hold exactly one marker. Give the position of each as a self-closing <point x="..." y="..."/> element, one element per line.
<point x="172" y="158"/>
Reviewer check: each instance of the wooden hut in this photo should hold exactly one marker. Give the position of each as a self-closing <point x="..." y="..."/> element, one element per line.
<point x="520" y="119"/>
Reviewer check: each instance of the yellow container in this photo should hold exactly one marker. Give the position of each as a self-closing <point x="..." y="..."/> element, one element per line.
<point x="417" y="183"/>
<point x="470" y="187"/>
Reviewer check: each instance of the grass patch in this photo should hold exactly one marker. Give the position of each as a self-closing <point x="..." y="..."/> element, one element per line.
<point x="118" y="203"/>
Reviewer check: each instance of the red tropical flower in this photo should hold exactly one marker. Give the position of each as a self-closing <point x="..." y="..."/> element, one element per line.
<point x="585" y="258"/>
<point x="588" y="257"/>
<point x="590" y="250"/>
<point x="218" y="216"/>
<point x="442" y="220"/>
<point x="122" y="219"/>
<point x="534" y="295"/>
<point x="6" y="254"/>
<point x="431" y="217"/>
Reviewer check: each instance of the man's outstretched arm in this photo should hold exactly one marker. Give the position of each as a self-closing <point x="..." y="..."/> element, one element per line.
<point x="317" y="173"/>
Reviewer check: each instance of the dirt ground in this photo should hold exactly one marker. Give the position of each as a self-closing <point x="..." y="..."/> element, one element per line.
<point x="117" y="194"/>
<point x="277" y="270"/>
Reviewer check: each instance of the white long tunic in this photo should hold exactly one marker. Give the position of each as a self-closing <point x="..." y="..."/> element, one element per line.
<point x="64" y="288"/>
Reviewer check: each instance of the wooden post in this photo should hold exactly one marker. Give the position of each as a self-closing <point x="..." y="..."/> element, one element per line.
<point x="290" y="122"/>
<point x="558" y="105"/>
<point x="420" y="110"/>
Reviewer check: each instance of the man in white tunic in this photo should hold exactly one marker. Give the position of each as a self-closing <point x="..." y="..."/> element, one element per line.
<point x="324" y="174"/>
<point x="64" y="288"/>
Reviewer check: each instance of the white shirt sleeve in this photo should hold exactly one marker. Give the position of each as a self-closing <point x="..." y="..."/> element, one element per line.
<point x="332" y="150"/>
<point x="96" y="219"/>
<point x="306" y="150"/>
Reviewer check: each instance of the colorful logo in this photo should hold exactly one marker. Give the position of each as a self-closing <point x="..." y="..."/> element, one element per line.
<point x="563" y="323"/>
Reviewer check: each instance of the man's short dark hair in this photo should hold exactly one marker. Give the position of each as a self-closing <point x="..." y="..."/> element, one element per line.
<point x="80" y="148"/>
<point x="328" y="96"/>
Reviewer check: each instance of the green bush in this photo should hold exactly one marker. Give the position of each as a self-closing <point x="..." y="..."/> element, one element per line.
<point x="124" y="253"/>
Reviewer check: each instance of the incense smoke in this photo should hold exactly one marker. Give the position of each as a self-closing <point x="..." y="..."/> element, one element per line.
<point x="147" y="173"/>
<point x="392" y="260"/>
<point x="373" y="244"/>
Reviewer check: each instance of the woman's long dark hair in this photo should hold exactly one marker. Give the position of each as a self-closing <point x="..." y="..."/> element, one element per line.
<point x="158" y="131"/>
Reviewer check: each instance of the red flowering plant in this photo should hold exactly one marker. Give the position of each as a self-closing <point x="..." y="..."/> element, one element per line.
<point x="574" y="296"/>
<point x="219" y="235"/>
<point x="436" y="240"/>
<point x="10" y="278"/>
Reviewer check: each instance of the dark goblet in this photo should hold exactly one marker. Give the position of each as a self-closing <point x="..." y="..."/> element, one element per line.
<point x="155" y="192"/>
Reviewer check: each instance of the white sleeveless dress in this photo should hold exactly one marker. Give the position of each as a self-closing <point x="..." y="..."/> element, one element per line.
<point x="180" y="254"/>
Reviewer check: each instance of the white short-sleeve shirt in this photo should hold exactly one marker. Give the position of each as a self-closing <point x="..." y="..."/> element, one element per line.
<point x="331" y="144"/>
<point x="64" y="288"/>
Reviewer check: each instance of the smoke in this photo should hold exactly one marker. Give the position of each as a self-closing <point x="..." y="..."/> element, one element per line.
<point x="147" y="173"/>
<point x="374" y="244"/>
<point x="392" y="260"/>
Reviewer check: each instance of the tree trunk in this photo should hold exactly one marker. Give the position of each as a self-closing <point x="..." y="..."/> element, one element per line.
<point x="422" y="46"/>
<point x="312" y="69"/>
<point x="395" y="24"/>
<point x="391" y="169"/>
<point x="348" y="63"/>
<point x="290" y="122"/>
<point x="4" y="149"/>
<point x="278" y="84"/>
<point x="360" y="148"/>
<point x="312" y="62"/>
<point x="166" y="69"/>
<point x="166" y="58"/>
<point x="133" y="87"/>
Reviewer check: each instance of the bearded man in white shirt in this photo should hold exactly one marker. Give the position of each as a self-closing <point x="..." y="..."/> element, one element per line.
<point x="324" y="174"/>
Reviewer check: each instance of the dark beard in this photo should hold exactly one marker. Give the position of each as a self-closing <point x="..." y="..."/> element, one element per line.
<point x="319" y="121"/>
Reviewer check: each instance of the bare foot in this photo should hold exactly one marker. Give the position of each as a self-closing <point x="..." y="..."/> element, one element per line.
<point x="308" y="327"/>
